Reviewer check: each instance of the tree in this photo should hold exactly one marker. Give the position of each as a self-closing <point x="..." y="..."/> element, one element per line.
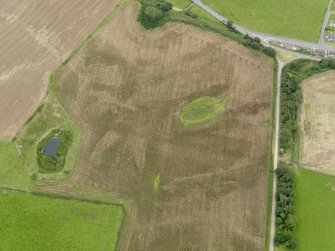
<point x="324" y="63"/>
<point x="290" y="222"/>
<point x="153" y="13"/>
<point x="291" y="244"/>
<point x="164" y="6"/>
<point x="270" y="52"/>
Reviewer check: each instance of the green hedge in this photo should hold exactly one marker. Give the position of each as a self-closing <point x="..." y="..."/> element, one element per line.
<point x="49" y="164"/>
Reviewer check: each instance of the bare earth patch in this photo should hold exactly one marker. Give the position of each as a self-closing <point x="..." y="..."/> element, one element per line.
<point x="35" y="37"/>
<point x="318" y="123"/>
<point x="126" y="89"/>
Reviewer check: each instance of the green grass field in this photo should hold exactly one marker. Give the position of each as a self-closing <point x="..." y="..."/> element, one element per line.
<point x="13" y="173"/>
<point x="315" y="207"/>
<point x="202" y="110"/>
<point x="31" y="222"/>
<point x="300" y="19"/>
<point x="332" y="6"/>
<point x="180" y="3"/>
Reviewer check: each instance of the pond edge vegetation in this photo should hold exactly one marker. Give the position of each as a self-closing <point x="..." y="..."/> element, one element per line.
<point x="49" y="164"/>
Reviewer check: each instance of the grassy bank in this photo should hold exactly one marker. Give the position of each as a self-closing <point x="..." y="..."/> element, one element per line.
<point x="31" y="222"/>
<point x="301" y="19"/>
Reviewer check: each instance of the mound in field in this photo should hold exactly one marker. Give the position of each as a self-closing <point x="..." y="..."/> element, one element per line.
<point x="318" y="123"/>
<point x="202" y="110"/>
<point x="35" y="37"/>
<point x="200" y="188"/>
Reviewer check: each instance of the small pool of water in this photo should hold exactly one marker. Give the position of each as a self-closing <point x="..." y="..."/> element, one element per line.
<point x="51" y="147"/>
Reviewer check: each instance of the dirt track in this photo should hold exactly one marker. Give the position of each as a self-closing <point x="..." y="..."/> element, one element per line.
<point x="35" y="36"/>
<point x="125" y="90"/>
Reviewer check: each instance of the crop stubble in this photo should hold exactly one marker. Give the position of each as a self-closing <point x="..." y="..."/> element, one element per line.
<point x="35" y="37"/>
<point x="125" y="90"/>
<point x="317" y="122"/>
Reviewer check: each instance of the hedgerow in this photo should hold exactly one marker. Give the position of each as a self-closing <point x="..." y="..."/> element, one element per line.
<point x="285" y="200"/>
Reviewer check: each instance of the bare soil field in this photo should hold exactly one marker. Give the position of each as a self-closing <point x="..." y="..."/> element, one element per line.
<point x="195" y="188"/>
<point x="35" y="37"/>
<point x="317" y="122"/>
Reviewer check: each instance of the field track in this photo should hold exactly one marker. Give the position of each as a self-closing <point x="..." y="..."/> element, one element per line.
<point x="35" y="37"/>
<point x="125" y="90"/>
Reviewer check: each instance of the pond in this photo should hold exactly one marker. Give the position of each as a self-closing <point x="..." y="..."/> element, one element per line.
<point x="51" y="147"/>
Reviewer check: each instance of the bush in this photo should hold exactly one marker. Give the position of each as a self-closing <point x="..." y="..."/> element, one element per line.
<point x="151" y="16"/>
<point x="270" y="52"/>
<point x="164" y="6"/>
<point x="191" y="14"/>
<point x="254" y="43"/>
<point x="324" y="63"/>
<point x="230" y="25"/>
<point x="327" y="63"/>
<point x="291" y="244"/>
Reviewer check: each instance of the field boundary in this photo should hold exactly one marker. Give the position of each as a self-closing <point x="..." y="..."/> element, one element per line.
<point x="270" y="155"/>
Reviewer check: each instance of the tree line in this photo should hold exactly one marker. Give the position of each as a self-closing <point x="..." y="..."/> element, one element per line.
<point x="285" y="201"/>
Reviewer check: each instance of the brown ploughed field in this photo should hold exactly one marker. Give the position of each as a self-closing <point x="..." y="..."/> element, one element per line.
<point x="35" y="37"/>
<point x="197" y="188"/>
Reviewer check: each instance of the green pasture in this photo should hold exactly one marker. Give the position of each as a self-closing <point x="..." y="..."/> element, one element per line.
<point x="300" y="19"/>
<point x="315" y="207"/>
<point x="13" y="173"/>
<point x="31" y="222"/>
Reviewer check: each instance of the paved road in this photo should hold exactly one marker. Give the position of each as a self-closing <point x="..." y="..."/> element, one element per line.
<point x="266" y="38"/>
